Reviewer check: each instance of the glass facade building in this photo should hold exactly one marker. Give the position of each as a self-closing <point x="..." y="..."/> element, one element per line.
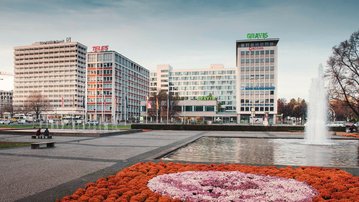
<point x="116" y="86"/>
<point x="195" y="83"/>
<point x="257" y="75"/>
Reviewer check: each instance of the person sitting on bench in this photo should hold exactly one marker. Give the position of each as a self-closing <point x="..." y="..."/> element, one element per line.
<point x="38" y="133"/>
<point x="46" y="133"/>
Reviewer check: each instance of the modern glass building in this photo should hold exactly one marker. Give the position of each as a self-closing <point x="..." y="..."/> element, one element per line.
<point x="116" y="86"/>
<point x="256" y="78"/>
<point x="193" y="84"/>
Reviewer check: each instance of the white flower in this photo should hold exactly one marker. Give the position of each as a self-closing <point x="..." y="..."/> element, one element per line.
<point x="229" y="186"/>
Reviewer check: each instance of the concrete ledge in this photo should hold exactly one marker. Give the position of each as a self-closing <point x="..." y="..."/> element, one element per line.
<point x="225" y="127"/>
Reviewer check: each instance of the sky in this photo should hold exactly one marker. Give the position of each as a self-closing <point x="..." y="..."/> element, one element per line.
<point x="186" y="34"/>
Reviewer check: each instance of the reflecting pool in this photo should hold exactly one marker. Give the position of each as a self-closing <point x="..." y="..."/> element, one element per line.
<point x="343" y="153"/>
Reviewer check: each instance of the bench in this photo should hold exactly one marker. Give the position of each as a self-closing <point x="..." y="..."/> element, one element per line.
<point x="36" y="145"/>
<point x="41" y="137"/>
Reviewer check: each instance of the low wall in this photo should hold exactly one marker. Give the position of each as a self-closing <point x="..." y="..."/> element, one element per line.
<point x="224" y="127"/>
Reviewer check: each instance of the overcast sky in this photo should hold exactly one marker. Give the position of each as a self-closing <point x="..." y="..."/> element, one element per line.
<point x="186" y="34"/>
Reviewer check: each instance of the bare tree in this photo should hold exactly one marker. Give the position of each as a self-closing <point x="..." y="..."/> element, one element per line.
<point x="343" y="73"/>
<point x="7" y="108"/>
<point x="159" y="101"/>
<point x="37" y="103"/>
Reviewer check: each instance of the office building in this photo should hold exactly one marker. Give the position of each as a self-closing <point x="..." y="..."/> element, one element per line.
<point x="116" y="86"/>
<point x="56" y="70"/>
<point x="256" y="79"/>
<point x="194" y="84"/>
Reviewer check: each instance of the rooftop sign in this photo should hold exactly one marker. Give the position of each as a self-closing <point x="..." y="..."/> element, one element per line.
<point x="68" y="39"/>
<point x="99" y="48"/>
<point x="263" y="35"/>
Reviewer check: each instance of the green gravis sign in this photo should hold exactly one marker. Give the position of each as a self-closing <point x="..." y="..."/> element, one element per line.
<point x="209" y="97"/>
<point x="263" y="35"/>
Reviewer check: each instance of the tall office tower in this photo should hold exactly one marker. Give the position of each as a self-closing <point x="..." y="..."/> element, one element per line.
<point x="56" y="70"/>
<point x="116" y="86"/>
<point x="256" y="80"/>
<point x="193" y="84"/>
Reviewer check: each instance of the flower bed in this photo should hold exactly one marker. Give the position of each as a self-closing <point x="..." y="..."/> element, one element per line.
<point x="131" y="184"/>
<point x="230" y="186"/>
<point x="356" y="135"/>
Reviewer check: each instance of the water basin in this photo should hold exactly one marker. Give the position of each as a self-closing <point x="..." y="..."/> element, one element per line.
<point x="341" y="153"/>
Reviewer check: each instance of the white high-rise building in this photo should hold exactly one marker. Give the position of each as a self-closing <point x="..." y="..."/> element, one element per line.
<point x="57" y="70"/>
<point x="256" y="78"/>
<point x="116" y="86"/>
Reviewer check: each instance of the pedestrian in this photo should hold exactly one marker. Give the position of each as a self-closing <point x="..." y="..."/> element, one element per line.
<point x="46" y="132"/>
<point x="38" y="132"/>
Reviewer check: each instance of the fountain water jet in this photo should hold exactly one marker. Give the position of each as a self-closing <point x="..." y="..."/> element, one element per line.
<point x="315" y="131"/>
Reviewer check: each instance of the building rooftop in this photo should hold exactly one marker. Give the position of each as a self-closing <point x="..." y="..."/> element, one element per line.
<point x="257" y="40"/>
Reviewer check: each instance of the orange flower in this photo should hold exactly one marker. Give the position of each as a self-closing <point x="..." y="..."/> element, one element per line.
<point x="130" y="184"/>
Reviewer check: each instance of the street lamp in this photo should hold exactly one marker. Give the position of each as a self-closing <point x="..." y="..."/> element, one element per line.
<point x="146" y="105"/>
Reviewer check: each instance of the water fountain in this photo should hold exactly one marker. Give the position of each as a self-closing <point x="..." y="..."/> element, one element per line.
<point x="315" y="150"/>
<point x="315" y="131"/>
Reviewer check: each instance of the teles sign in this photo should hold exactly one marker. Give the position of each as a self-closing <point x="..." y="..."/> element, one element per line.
<point x="263" y="35"/>
<point x="99" y="48"/>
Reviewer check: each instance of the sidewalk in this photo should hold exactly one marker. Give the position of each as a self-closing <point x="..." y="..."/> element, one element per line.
<point x="25" y="172"/>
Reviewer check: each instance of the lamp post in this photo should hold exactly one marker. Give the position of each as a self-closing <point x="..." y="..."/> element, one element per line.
<point x="146" y="105"/>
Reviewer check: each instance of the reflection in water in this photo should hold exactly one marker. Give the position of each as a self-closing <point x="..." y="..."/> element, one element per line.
<point x="344" y="153"/>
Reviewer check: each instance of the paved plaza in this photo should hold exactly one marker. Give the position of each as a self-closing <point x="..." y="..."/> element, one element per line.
<point x="47" y="174"/>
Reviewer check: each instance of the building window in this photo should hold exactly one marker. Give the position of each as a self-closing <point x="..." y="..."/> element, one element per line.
<point x="209" y="108"/>
<point x="188" y="108"/>
<point x="198" y="108"/>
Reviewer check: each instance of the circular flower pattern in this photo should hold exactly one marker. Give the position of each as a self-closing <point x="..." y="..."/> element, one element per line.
<point x="230" y="186"/>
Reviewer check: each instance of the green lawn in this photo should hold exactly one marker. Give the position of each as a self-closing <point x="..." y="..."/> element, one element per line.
<point x="6" y="145"/>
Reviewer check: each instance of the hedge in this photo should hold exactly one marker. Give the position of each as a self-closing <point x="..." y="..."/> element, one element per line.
<point x="224" y="127"/>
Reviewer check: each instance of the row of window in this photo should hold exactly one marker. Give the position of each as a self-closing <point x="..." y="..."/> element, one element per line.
<point x="220" y="72"/>
<point x="257" y="109"/>
<point x="5" y="98"/>
<point x="257" y="60"/>
<point x="257" y="44"/>
<point x="257" y="68"/>
<point x="203" y="88"/>
<point x="257" y="101"/>
<point x="258" y="76"/>
<point x="202" y="78"/>
<point x="262" y="52"/>
<point x="109" y="108"/>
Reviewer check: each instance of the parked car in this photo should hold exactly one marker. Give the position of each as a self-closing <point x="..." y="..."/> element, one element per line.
<point x="336" y="124"/>
<point x="7" y="122"/>
<point x="21" y="121"/>
<point x="351" y="127"/>
<point x="94" y="123"/>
